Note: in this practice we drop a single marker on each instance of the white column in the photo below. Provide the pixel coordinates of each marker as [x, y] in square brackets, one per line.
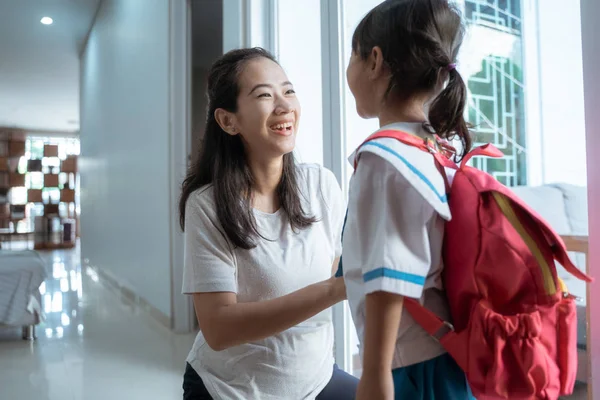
[534, 138]
[333, 80]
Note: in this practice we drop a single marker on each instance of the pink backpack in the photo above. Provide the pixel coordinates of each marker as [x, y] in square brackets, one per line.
[514, 328]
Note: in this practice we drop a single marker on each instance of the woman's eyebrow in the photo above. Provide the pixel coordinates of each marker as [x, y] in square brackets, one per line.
[266, 85]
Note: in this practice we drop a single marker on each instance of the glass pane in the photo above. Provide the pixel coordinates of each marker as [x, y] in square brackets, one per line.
[36, 148]
[356, 128]
[300, 56]
[36, 180]
[18, 195]
[491, 61]
[22, 167]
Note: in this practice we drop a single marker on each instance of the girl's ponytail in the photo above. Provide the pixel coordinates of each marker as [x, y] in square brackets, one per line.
[447, 111]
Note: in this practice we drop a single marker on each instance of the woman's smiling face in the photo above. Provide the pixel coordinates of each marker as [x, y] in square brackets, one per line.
[268, 111]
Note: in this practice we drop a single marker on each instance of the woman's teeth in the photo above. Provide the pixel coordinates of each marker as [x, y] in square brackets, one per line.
[282, 126]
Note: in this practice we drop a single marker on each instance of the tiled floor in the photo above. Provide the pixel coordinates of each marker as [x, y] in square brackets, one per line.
[92, 346]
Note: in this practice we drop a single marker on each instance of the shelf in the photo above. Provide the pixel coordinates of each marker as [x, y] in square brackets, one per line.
[53, 246]
[12, 219]
[13, 146]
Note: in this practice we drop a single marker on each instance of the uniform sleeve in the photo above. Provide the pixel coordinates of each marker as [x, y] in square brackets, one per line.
[209, 264]
[387, 229]
[337, 207]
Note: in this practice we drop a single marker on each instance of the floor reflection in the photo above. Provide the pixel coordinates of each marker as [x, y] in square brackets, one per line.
[61, 295]
[92, 345]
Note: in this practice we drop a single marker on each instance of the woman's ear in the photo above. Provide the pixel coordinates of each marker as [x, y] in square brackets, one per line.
[226, 121]
[376, 63]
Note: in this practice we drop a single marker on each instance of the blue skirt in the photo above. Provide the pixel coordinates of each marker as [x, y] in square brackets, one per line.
[437, 379]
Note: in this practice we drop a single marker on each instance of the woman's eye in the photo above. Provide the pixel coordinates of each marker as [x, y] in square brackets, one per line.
[264, 95]
[291, 91]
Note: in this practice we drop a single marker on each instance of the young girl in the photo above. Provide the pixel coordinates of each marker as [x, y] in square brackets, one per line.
[402, 72]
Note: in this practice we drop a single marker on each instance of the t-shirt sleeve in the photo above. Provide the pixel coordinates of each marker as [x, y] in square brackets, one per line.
[209, 263]
[387, 229]
[336, 207]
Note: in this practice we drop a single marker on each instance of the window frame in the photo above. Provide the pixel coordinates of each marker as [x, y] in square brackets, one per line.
[334, 145]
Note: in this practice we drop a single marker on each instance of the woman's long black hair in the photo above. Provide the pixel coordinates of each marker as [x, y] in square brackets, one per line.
[420, 40]
[222, 160]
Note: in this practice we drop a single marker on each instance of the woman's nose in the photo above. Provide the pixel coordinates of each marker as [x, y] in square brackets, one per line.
[283, 106]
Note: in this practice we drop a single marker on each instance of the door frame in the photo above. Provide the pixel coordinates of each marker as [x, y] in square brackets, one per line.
[590, 30]
[182, 310]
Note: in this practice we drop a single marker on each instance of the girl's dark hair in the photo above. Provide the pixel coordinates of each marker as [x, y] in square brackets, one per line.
[222, 160]
[420, 40]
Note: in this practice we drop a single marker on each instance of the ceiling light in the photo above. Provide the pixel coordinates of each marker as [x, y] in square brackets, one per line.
[46, 21]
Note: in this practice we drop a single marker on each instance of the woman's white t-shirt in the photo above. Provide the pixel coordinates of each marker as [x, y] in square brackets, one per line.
[294, 364]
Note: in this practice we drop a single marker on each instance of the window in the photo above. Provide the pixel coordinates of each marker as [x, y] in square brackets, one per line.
[525, 93]
[518, 69]
[34, 149]
[356, 130]
[491, 62]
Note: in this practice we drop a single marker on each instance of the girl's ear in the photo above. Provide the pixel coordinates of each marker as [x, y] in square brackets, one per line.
[376, 63]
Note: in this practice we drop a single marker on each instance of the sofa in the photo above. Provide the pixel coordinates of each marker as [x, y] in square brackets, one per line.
[21, 274]
[565, 208]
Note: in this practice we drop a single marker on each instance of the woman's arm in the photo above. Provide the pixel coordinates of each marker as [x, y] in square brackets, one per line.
[210, 276]
[226, 323]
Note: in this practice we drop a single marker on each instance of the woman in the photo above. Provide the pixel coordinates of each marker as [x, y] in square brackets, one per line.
[262, 242]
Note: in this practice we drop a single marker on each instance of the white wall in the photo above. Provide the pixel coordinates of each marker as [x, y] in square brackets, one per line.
[561, 87]
[125, 147]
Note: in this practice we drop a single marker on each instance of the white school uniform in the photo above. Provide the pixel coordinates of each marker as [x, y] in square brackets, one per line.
[393, 237]
[296, 363]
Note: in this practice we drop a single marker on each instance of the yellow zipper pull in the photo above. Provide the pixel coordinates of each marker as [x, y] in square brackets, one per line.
[563, 286]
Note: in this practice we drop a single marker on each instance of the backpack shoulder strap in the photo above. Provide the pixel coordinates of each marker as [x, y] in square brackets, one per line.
[427, 145]
[440, 330]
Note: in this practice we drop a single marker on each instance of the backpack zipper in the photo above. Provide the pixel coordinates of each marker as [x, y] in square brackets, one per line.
[508, 211]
